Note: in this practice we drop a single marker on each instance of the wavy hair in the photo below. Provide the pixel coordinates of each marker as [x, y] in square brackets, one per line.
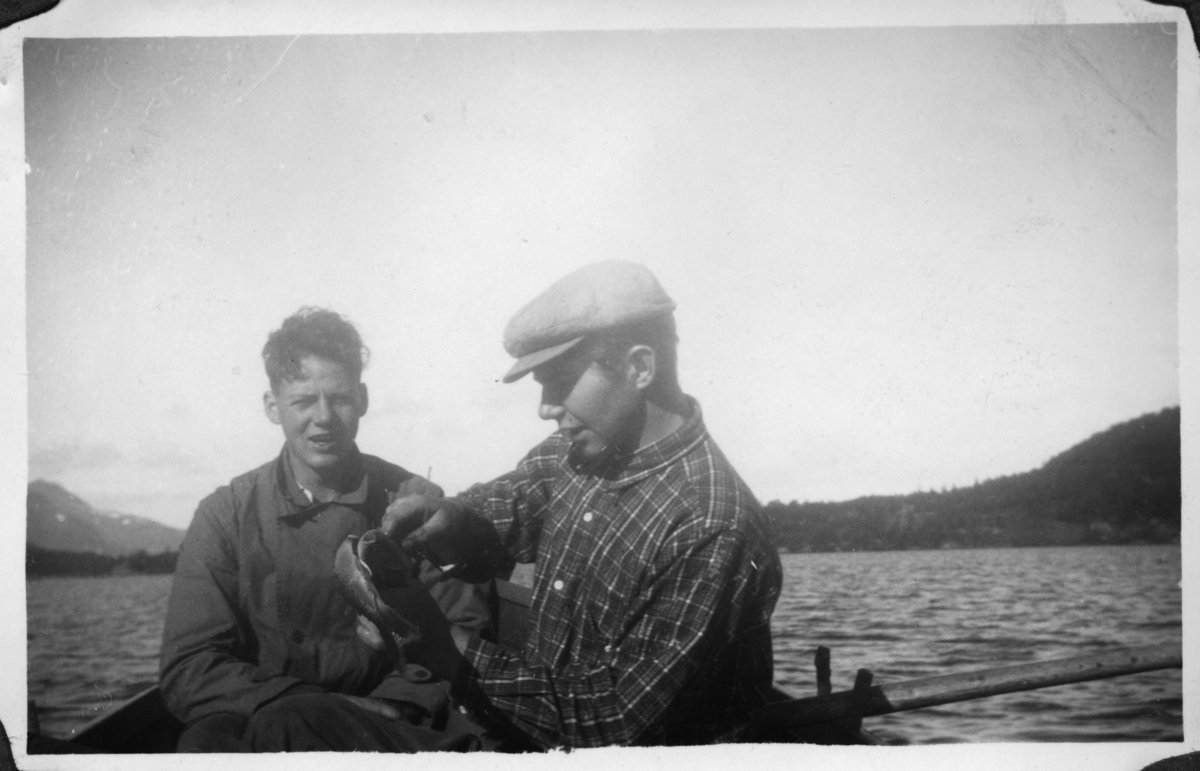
[313, 332]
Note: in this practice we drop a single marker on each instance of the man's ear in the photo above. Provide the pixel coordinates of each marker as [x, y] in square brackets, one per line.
[271, 407]
[643, 366]
[363, 401]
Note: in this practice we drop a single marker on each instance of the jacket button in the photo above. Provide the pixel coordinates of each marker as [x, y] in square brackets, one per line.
[558, 585]
[297, 636]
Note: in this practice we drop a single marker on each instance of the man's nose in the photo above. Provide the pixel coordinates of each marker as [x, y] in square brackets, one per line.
[322, 411]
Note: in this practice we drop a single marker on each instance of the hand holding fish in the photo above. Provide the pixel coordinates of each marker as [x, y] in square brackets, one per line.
[365, 565]
[396, 612]
[446, 533]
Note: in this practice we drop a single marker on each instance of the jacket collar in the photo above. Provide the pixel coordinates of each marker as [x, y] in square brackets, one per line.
[298, 502]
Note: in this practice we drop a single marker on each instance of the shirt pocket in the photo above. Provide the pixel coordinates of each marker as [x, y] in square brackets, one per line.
[606, 608]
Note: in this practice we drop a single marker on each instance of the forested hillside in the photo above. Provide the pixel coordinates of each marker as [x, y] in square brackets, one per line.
[1120, 486]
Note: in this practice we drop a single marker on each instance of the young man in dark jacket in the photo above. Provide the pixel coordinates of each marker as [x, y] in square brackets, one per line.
[256, 616]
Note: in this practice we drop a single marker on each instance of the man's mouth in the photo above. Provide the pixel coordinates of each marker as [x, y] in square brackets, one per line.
[323, 441]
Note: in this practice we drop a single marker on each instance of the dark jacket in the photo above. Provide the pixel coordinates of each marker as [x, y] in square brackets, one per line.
[255, 609]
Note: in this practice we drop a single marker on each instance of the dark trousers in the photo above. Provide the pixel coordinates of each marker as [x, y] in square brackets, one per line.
[323, 722]
[215, 733]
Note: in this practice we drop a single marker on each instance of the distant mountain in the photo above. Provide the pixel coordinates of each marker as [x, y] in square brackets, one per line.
[57, 520]
[1120, 486]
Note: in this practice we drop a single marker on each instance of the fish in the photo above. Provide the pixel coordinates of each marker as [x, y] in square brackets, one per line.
[364, 566]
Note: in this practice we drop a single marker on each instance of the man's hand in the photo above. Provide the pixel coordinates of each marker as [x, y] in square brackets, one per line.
[438, 525]
[447, 533]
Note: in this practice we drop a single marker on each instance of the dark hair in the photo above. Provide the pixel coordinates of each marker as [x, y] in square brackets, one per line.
[312, 332]
[610, 347]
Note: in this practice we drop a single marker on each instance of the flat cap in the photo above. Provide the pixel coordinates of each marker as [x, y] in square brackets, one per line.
[594, 298]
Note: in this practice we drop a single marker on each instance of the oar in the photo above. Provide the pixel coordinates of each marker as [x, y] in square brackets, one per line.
[931, 691]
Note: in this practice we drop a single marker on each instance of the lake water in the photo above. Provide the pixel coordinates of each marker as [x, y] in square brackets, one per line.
[906, 615]
[94, 641]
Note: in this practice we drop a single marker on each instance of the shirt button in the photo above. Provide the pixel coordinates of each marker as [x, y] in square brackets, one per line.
[608, 649]
[558, 585]
[587, 517]
[297, 636]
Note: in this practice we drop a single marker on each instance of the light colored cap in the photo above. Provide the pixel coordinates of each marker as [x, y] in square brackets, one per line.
[597, 297]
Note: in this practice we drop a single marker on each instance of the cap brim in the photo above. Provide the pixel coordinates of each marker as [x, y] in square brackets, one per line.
[532, 361]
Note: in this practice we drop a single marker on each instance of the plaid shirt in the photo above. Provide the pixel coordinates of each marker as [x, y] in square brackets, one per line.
[655, 581]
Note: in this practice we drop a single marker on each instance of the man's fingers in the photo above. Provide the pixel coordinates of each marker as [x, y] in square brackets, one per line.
[404, 515]
[425, 527]
[442, 531]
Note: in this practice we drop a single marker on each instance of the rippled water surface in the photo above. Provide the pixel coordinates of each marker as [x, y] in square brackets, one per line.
[907, 615]
[94, 641]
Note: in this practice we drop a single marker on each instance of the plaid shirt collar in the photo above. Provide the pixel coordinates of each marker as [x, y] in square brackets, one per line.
[624, 469]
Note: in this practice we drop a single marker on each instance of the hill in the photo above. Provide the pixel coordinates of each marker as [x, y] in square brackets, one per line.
[1119, 486]
[58, 521]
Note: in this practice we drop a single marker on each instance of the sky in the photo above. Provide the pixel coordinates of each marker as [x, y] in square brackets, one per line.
[913, 244]
[903, 258]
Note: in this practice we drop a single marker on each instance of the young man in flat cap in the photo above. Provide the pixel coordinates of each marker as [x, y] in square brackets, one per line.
[257, 628]
[656, 574]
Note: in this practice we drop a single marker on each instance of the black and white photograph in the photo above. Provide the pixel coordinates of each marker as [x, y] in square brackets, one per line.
[735, 383]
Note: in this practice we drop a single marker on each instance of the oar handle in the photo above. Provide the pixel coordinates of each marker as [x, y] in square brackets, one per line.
[945, 689]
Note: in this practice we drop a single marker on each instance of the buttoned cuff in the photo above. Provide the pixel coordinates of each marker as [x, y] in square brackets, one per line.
[478, 657]
[497, 670]
[467, 688]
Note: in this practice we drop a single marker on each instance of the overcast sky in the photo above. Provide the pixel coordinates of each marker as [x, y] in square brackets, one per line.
[904, 258]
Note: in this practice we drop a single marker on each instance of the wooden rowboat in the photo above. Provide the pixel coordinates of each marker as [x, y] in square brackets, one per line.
[143, 724]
